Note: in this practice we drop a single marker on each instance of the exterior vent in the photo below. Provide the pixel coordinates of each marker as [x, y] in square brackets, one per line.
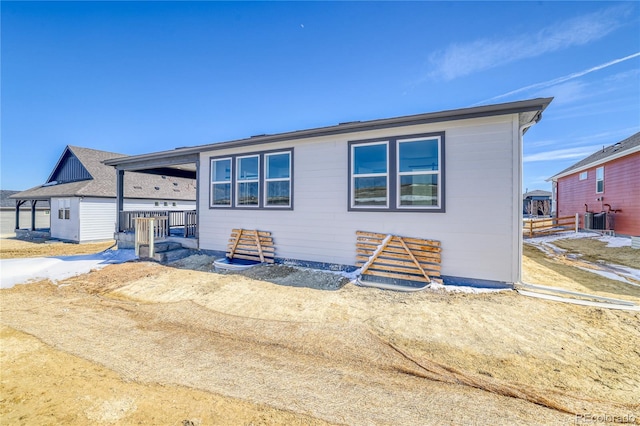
[137, 187]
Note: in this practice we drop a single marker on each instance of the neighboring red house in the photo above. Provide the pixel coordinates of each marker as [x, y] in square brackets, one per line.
[604, 189]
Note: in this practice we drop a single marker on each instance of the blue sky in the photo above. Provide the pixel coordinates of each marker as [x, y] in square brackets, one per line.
[139, 77]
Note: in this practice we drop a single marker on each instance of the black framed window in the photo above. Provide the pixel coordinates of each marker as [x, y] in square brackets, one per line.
[221, 182]
[262, 180]
[248, 181]
[277, 179]
[400, 173]
[370, 178]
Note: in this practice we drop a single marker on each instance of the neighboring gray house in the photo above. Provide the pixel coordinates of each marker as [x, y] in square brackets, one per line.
[8, 213]
[536, 203]
[412, 176]
[81, 191]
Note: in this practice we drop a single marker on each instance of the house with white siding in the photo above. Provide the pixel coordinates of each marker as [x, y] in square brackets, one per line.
[9, 210]
[420, 176]
[81, 193]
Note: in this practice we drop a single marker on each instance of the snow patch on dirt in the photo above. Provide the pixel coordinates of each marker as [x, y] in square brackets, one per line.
[20, 271]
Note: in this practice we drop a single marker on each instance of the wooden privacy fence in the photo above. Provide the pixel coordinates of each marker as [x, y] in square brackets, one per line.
[533, 227]
[147, 229]
[251, 245]
[392, 256]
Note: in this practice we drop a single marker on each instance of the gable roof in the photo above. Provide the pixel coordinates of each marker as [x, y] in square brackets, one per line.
[529, 112]
[95, 179]
[619, 149]
[536, 193]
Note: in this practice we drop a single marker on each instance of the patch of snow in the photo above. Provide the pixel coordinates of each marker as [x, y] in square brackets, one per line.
[351, 276]
[616, 241]
[20, 271]
[625, 270]
[609, 275]
[463, 289]
[561, 236]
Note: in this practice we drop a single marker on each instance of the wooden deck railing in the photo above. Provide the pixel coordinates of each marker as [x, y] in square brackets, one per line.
[550, 225]
[187, 219]
[149, 229]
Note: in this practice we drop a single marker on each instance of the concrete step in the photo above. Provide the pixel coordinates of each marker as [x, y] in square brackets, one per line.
[161, 251]
[173, 255]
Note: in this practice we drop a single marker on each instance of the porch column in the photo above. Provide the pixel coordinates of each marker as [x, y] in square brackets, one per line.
[18, 204]
[33, 214]
[119, 197]
[197, 231]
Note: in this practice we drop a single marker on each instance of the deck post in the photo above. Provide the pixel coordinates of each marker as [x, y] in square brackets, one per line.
[33, 214]
[577, 221]
[18, 204]
[152, 235]
[119, 198]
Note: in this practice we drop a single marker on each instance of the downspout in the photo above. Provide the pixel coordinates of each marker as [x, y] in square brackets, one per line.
[523, 128]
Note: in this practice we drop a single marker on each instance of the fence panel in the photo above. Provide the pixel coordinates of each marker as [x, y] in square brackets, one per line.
[549, 225]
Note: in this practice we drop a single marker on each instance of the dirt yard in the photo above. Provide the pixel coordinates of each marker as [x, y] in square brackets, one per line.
[143, 343]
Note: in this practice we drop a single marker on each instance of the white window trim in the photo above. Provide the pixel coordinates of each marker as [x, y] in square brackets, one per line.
[229, 182]
[598, 180]
[267, 180]
[583, 175]
[64, 208]
[239, 181]
[426, 172]
[364, 175]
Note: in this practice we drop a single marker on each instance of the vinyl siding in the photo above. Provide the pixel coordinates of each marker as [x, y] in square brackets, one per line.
[131, 204]
[97, 219]
[66, 229]
[476, 231]
[621, 191]
[8, 220]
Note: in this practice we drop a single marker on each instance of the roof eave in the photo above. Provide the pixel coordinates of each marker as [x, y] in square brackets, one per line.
[587, 166]
[535, 106]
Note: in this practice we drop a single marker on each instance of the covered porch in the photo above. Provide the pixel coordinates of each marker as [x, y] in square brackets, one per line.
[37, 226]
[180, 226]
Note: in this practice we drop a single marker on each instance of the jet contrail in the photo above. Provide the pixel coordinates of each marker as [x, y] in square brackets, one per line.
[562, 79]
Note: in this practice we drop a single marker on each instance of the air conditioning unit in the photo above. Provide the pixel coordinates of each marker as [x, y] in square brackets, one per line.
[599, 221]
[588, 220]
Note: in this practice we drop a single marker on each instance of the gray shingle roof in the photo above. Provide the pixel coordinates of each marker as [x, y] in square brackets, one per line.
[537, 193]
[103, 184]
[602, 154]
[6, 202]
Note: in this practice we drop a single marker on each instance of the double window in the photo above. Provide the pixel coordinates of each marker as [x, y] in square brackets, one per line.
[64, 208]
[401, 173]
[261, 180]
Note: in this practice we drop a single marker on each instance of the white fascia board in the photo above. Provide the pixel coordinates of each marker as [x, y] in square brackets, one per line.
[595, 163]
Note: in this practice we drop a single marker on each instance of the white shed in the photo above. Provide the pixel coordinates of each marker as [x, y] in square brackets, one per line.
[81, 191]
